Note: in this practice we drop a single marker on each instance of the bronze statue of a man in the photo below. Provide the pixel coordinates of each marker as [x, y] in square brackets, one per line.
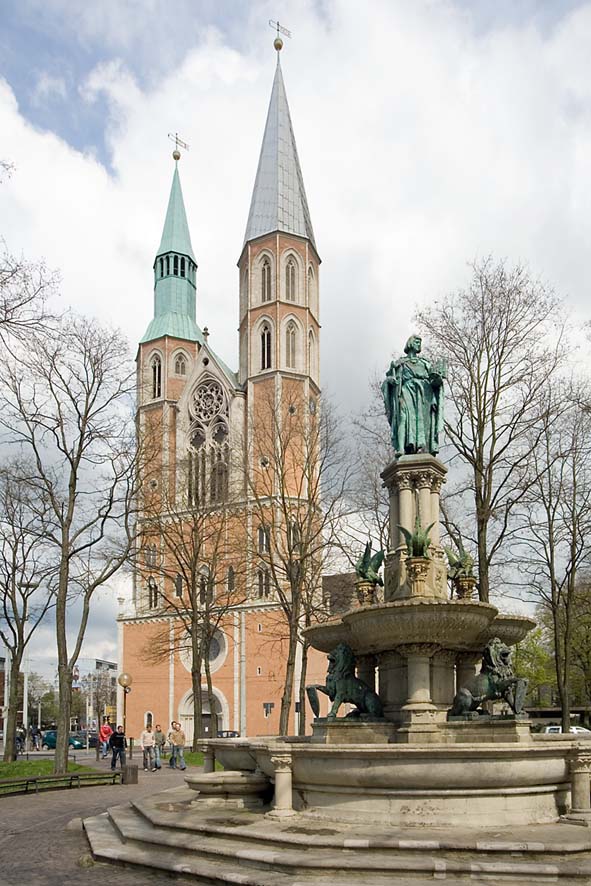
[413, 397]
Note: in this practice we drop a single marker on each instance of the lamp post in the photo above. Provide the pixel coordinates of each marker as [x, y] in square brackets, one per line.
[125, 680]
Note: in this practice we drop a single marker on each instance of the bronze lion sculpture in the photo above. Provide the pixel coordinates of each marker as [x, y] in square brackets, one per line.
[342, 687]
[495, 681]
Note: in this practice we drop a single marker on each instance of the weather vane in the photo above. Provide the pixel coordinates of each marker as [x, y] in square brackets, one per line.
[178, 143]
[278, 42]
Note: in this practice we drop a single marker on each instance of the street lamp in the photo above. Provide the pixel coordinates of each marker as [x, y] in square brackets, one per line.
[125, 680]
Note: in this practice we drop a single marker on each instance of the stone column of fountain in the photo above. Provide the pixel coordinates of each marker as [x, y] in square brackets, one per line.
[414, 484]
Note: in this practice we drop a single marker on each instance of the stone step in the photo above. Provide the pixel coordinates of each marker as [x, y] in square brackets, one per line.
[247, 851]
[107, 845]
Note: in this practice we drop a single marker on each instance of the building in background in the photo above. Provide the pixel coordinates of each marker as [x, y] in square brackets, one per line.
[203, 426]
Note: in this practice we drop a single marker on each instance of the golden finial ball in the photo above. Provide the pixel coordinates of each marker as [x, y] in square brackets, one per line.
[176, 155]
[278, 44]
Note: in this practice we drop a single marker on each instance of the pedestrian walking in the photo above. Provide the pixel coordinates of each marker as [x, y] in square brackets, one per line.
[38, 737]
[147, 744]
[159, 745]
[105, 733]
[118, 743]
[176, 736]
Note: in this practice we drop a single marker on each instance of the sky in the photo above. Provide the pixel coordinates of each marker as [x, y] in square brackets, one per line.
[431, 133]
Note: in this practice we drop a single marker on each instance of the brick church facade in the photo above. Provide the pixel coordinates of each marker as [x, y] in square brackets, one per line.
[212, 436]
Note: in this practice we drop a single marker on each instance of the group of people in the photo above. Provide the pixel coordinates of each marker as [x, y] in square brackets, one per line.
[152, 743]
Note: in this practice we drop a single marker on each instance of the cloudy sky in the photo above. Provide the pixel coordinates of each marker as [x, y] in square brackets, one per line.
[430, 133]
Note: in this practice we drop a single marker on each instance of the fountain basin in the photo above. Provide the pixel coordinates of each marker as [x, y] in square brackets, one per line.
[450, 624]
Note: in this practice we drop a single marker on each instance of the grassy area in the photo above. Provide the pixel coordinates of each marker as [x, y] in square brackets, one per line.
[192, 758]
[23, 768]
[34, 767]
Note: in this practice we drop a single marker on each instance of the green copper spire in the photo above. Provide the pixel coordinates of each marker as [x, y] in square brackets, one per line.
[175, 275]
[175, 236]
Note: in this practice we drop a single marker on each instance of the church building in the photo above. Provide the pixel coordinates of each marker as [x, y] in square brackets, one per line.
[208, 523]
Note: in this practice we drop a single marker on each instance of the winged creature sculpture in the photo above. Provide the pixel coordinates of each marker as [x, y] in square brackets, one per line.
[367, 567]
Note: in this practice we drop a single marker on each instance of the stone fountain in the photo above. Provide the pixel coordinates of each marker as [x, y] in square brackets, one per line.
[431, 743]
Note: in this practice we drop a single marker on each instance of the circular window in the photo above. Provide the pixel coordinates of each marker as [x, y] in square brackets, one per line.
[208, 401]
[218, 650]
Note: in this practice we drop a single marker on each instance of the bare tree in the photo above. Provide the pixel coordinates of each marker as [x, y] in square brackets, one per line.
[198, 572]
[502, 338]
[25, 598]
[555, 524]
[298, 491]
[25, 290]
[67, 404]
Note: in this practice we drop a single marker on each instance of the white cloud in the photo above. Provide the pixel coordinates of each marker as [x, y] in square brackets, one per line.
[47, 88]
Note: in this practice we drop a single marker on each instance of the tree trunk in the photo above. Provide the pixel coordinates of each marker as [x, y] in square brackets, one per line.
[62, 746]
[12, 701]
[302, 698]
[483, 582]
[212, 702]
[197, 703]
[288, 683]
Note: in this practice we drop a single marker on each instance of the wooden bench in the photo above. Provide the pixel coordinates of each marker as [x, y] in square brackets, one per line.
[21, 784]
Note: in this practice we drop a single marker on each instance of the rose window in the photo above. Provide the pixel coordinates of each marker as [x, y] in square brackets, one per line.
[208, 401]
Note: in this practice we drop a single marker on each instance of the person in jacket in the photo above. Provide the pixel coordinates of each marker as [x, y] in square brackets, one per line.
[176, 737]
[118, 743]
[159, 745]
[147, 744]
[105, 733]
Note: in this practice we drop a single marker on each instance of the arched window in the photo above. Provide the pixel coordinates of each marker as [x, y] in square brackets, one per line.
[294, 536]
[311, 354]
[290, 280]
[182, 267]
[266, 280]
[180, 365]
[231, 579]
[204, 584]
[167, 265]
[219, 479]
[178, 585]
[149, 718]
[151, 555]
[266, 347]
[264, 537]
[162, 267]
[264, 583]
[290, 345]
[152, 593]
[156, 365]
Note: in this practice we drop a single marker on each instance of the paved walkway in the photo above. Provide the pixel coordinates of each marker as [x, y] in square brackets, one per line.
[42, 842]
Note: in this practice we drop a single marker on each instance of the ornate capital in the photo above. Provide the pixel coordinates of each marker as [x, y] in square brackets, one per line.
[404, 482]
[425, 650]
[423, 479]
[581, 759]
[281, 762]
[436, 484]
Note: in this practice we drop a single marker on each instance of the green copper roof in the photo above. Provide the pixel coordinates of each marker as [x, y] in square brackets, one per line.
[175, 236]
[174, 325]
[174, 276]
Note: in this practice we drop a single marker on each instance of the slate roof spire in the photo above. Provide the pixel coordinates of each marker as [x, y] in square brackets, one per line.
[175, 274]
[279, 198]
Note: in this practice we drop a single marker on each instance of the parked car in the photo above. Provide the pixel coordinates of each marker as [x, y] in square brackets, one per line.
[228, 733]
[92, 738]
[557, 730]
[50, 736]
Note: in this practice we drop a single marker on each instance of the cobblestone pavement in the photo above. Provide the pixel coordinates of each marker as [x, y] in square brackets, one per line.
[42, 842]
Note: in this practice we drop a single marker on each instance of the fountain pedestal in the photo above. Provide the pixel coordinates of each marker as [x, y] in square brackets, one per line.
[414, 483]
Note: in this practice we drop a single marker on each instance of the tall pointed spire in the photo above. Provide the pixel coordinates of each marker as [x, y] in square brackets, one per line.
[175, 235]
[279, 199]
[175, 271]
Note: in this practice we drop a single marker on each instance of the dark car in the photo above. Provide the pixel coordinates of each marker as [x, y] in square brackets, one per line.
[50, 736]
[228, 733]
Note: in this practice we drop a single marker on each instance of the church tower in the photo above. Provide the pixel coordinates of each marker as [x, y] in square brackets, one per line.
[279, 264]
